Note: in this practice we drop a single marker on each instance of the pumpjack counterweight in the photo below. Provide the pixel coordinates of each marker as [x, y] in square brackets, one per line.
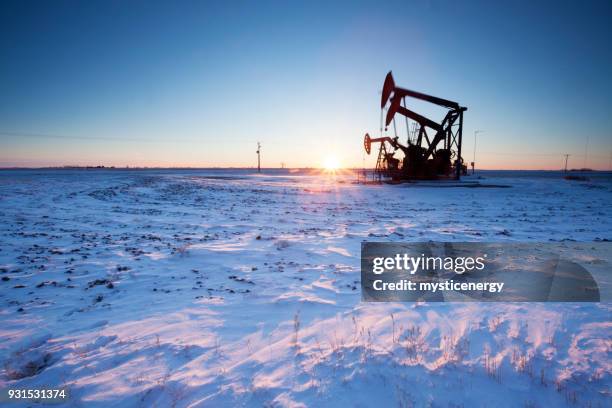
[424, 158]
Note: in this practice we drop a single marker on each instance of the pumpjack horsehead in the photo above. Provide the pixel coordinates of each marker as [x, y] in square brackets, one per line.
[424, 158]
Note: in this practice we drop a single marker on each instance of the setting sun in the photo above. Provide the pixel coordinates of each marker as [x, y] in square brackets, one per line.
[331, 163]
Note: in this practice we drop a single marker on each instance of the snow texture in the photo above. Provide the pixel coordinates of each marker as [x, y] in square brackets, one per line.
[223, 288]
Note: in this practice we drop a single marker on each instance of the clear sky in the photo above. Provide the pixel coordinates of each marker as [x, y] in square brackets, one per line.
[199, 83]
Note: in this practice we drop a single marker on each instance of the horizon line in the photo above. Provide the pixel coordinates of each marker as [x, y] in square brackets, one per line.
[103, 167]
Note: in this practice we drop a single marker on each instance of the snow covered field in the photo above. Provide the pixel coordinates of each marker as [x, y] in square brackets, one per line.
[220, 288]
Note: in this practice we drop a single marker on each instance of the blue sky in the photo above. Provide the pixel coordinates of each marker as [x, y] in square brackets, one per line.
[199, 83]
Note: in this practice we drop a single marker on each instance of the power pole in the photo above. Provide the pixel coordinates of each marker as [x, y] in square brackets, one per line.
[586, 151]
[476, 132]
[566, 157]
[258, 157]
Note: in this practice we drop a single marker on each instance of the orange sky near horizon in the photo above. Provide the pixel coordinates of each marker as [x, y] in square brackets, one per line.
[274, 158]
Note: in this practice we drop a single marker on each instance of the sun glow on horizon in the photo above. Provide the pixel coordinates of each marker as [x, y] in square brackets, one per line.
[331, 163]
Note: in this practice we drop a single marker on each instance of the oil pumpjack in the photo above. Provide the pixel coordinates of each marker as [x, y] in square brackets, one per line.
[424, 158]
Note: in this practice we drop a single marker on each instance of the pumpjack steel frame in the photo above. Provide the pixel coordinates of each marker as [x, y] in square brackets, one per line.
[431, 160]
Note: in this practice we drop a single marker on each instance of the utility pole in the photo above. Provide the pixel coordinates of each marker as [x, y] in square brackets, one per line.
[586, 151]
[566, 157]
[258, 157]
[476, 132]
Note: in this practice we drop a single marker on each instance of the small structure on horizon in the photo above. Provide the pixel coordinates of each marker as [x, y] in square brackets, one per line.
[258, 157]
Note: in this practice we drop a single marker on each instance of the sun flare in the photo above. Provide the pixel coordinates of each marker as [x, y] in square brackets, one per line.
[331, 163]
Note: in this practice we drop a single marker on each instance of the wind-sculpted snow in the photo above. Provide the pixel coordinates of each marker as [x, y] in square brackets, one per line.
[195, 288]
